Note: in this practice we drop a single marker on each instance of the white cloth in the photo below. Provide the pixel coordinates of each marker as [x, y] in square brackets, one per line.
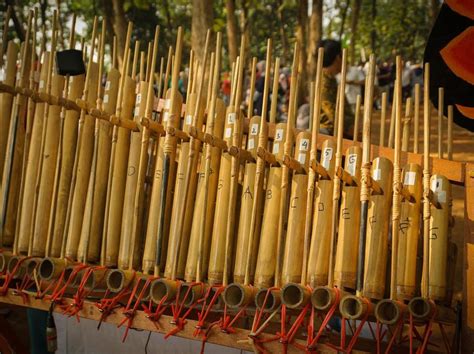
[354, 73]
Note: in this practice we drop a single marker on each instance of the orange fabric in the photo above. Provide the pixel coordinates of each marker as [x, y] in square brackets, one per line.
[462, 7]
[458, 55]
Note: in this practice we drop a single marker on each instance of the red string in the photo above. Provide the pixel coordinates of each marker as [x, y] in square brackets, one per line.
[10, 275]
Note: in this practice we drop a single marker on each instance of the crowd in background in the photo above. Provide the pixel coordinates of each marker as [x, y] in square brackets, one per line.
[355, 85]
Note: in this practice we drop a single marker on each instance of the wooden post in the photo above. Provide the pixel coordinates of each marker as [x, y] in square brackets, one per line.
[383, 116]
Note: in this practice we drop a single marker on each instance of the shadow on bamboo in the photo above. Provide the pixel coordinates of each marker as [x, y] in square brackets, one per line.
[389, 311]
[295, 296]
[354, 307]
[238, 295]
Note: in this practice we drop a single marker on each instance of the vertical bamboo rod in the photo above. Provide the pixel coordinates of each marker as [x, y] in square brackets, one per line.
[440, 121]
[383, 116]
[450, 132]
[357, 118]
[416, 120]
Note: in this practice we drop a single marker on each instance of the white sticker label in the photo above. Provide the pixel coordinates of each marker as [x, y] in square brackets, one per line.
[351, 164]
[302, 158]
[228, 132]
[327, 157]
[167, 104]
[139, 98]
[410, 177]
[276, 148]
[107, 85]
[376, 174]
[231, 118]
[250, 144]
[137, 111]
[41, 84]
[106, 98]
[165, 116]
[304, 144]
[2, 74]
[442, 196]
[279, 135]
[436, 184]
[189, 119]
[254, 129]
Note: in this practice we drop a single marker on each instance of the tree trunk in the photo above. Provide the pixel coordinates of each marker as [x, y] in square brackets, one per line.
[315, 34]
[119, 24]
[232, 31]
[202, 20]
[354, 23]
[343, 19]
[373, 34]
[301, 32]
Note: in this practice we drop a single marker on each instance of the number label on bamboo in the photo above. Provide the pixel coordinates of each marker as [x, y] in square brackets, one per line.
[228, 132]
[41, 84]
[346, 213]
[269, 194]
[276, 148]
[351, 165]
[327, 157]
[410, 177]
[294, 202]
[106, 98]
[254, 130]
[404, 225]
[139, 98]
[231, 118]
[304, 144]
[436, 185]
[107, 86]
[279, 135]
[167, 104]
[2, 74]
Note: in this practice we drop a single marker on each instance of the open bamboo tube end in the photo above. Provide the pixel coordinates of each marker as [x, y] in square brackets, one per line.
[12, 264]
[354, 307]
[273, 300]
[4, 259]
[31, 265]
[324, 297]
[119, 279]
[51, 268]
[238, 295]
[421, 308]
[389, 311]
[294, 295]
[163, 287]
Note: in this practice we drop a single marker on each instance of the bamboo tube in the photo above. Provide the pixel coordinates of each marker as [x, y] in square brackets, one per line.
[396, 187]
[118, 163]
[353, 307]
[84, 155]
[248, 188]
[185, 186]
[8, 74]
[166, 165]
[318, 266]
[357, 118]
[409, 230]
[25, 226]
[139, 197]
[416, 120]
[392, 121]
[377, 234]
[11, 178]
[345, 269]
[440, 121]
[439, 223]
[281, 244]
[383, 116]
[93, 222]
[221, 232]
[406, 122]
[292, 260]
[201, 229]
[47, 167]
[266, 259]
[237, 135]
[66, 154]
[126, 259]
[450, 132]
